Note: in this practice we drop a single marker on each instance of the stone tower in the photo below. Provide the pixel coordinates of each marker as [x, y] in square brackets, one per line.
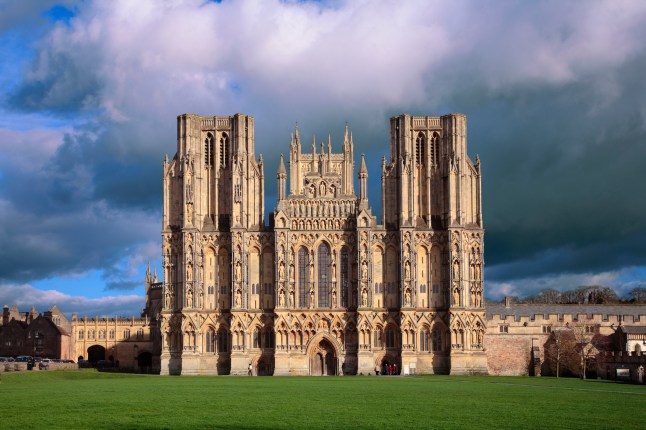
[436, 193]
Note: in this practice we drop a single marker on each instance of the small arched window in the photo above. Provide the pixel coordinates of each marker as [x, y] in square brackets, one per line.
[324, 276]
[434, 148]
[423, 339]
[420, 144]
[210, 340]
[224, 149]
[208, 150]
[344, 277]
[436, 338]
[223, 341]
[303, 278]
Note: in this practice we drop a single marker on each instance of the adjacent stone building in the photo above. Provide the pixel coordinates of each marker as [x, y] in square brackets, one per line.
[126, 342]
[521, 339]
[324, 288]
[33, 334]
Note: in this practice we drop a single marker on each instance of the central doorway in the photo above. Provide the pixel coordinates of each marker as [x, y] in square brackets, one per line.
[323, 359]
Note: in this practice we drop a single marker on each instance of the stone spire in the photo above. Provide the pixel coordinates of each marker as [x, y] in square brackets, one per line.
[282, 179]
[363, 180]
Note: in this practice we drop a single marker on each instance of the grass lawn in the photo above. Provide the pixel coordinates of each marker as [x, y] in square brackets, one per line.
[88, 399]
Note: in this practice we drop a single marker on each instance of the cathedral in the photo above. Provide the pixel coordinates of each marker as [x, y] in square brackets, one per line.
[324, 289]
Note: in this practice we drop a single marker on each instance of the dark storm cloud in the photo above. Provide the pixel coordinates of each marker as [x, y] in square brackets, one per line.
[553, 93]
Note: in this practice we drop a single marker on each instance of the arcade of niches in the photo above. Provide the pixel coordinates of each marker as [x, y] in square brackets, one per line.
[323, 289]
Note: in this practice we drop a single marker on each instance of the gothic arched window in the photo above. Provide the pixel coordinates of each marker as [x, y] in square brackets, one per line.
[436, 337]
[208, 150]
[419, 148]
[223, 341]
[435, 150]
[256, 340]
[324, 276]
[344, 277]
[303, 280]
[390, 337]
[210, 340]
[423, 339]
[224, 149]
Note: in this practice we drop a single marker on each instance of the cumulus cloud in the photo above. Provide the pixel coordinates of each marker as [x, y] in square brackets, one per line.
[25, 296]
[553, 92]
[622, 281]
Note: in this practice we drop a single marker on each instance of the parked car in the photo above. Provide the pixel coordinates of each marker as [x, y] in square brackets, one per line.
[23, 358]
[104, 364]
[84, 364]
[6, 359]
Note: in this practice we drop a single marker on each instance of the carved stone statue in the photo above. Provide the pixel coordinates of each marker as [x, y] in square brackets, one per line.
[364, 297]
[238, 297]
[281, 272]
[281, 298]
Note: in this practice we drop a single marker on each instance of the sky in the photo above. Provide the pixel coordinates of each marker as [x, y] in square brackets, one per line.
[554, 94]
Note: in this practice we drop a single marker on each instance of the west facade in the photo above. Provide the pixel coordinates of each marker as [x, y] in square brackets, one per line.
[324, 288]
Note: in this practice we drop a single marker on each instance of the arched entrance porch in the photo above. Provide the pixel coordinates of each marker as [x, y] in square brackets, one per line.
[95, 353]
[323, 359]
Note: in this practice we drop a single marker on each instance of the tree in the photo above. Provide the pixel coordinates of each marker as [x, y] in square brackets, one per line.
[638, 295]
[585, 350]
[559, 349]
[548, 296]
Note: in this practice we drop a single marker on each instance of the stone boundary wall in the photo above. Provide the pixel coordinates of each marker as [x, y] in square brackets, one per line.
[22, 366]
[611, 361]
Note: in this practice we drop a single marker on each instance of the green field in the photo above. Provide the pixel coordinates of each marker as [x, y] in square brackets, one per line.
[88, 399]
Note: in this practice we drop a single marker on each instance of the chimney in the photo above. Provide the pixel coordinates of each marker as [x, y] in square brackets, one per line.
[508, 301]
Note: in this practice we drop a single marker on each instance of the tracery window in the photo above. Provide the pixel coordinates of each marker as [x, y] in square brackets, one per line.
[344, 277]
[390, 337]
[324, 276]
[208, 150]
[223, 341]
[435, 152]
[303, 280]
[210, 340]
[378, 338]
[423, 339]
[436, 337]
[224, 149]
[256, 340]
[268, 338]
[419, 148]
[81, 334]
[126, 334]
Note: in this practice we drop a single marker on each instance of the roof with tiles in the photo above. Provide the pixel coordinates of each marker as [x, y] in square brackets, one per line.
[529, 310]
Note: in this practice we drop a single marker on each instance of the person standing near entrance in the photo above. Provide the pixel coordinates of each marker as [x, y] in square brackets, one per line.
[395, 369]
[250, 373]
